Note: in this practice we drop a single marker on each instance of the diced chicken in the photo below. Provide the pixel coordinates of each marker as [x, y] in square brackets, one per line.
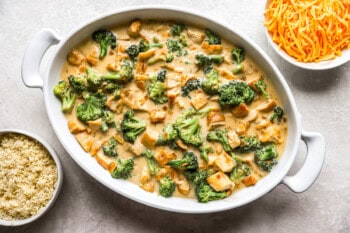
[135, 99]
[96, 146]
[136, 149]
[224, 162]
[253, 114]
[149, 187]
[145, 175]
[220, 181]
[218, 148]
[112, 67]
[84, 140]
[181, 144]
[149, 138]
[75, 57]
[267, 106]
[227, 74]
[112, 166]
[263, 124]
[181, 102]
[111, 103]
[242, 127]
[211, 48]
[199, 99]
[146, 55]
[173, 81]
[104, 160]
[196, 35]
[163, 157]
[134, 28]
[183, 186]
[95, 125]
[215, 119]
[119, 139]
[271, 134]
[233, 139]
[157, 116]
[253, 79]
[249, 180]
[92, 57]
[76, 126]
[162, 173]
[211, 159]
[240, 111]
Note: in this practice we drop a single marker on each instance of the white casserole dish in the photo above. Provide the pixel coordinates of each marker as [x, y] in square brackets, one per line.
[46, 38]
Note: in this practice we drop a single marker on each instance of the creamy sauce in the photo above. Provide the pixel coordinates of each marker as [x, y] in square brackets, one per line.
[183, 66]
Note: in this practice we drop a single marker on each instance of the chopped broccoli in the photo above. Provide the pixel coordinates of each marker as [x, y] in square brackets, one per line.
[161, 75]
[205, 150]
[112, 87]
[144, 45]
[123, 75]
[266, 157]
[238, 55]
[212, 37]
[132, 126]
[188, 128]
[239, 172]
[235, 93]
[176, 46]
[220, 135]
[152, 164]
[168, 136]
[123, 169]
[188, 162]
[211, 82]
[204, 112]
[104, 38]
[176, 30]
[166, 186]
[78, 83]
[92, 109]
[156, 92]
[277, 114]
[133, 51]
[237, 68]
[169, 58]
[109, 149]
[196, 177]
[93, 79]
[190, 85]
[205, 61]
[261, 87]
[107, 121]
[250, 143]
[205, 193]
[66, 95]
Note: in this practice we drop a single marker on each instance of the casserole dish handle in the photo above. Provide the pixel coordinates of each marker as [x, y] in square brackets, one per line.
[309, 172]
[33, 56]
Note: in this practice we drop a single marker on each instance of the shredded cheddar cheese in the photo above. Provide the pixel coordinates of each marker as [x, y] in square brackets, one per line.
[310, 30]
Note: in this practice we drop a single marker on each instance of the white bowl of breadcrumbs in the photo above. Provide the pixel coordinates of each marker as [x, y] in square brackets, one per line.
[30, 177]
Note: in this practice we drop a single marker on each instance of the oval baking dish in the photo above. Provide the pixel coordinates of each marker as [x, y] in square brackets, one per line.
[47, 38]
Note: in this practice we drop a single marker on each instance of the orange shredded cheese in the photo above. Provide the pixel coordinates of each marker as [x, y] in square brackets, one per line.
[310, 30]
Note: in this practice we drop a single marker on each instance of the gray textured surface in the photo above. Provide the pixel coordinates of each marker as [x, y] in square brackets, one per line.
[86, 206]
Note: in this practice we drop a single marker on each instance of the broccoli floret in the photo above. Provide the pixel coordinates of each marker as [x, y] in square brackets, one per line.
[144, 45]
[78, 83]
[109, 149]
[92, 109]
[261, 87]
[174, 45]
[248, 144]
[133, 51]
[266, 157]
[212, 37]
[156, 92]
[107, 121]
[277, 114]
[66, 95]
[205, 150]
[188, 128]
[169, 58]
[132, 126]
[235, 93]
[93, 79]
[204, 112]
[205, 61]
[211, 82]
[239, 172]
[104, 38]
[112, 87]
[205, 193]
[152, 164]
[161, 76]
[238, 55]
[168, 136]
[166, 186]
[177, 29]
[188, 162]
[123, 169]
[220, 136]
[190, 85]
[122, 76]
[197, 177]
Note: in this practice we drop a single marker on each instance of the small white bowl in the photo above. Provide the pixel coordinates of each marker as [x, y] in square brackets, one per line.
[58, 184]
[322, 65]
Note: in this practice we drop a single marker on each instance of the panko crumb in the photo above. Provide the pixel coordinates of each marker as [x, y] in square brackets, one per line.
[28, 177]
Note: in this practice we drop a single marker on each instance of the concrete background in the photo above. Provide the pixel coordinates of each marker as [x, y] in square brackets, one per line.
[86, 206]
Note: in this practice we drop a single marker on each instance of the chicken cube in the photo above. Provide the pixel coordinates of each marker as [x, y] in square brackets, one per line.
[183, 186]
[233, 139]
[212, 48]
[84, 140]
[240, 111]
[250, 180]
[267, 106]
[220, 181]
[134, 28]
[96, 146]
[149, 138]
[215, 119]
[163, 157]
[76, 126]
[271, 134]
[199, 99]
[224, 162]
[196, 35]
[149, 187]
[145, 175]
[157, 116]
[75, 57]
[104, 160]
[95, 125]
